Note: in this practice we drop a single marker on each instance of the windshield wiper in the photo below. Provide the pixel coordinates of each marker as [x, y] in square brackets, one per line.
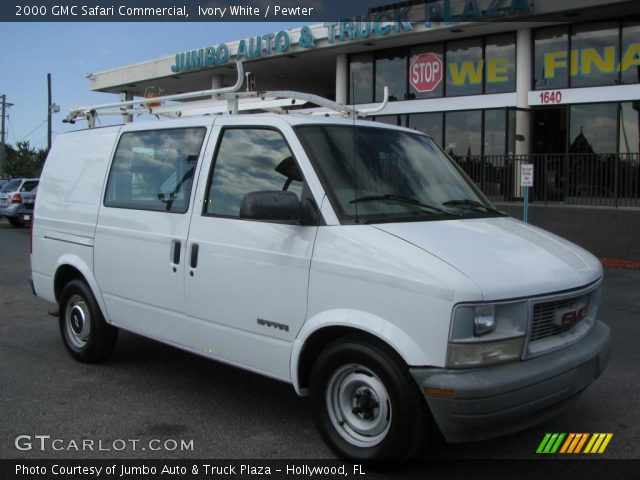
[471, 203]
[402, 199]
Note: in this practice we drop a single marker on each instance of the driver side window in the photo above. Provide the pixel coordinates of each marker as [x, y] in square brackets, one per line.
[249, 160]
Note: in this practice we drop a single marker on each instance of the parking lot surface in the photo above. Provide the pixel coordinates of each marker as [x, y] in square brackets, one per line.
[148, 391]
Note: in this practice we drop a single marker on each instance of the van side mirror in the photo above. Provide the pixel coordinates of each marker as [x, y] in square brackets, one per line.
[271, 205]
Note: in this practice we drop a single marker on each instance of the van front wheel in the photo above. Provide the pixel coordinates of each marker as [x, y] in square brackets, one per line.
[85, 333]
[364, 402]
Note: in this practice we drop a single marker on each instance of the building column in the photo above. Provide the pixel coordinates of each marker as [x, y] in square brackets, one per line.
[126, 97]
[342, 79]
[524, 69]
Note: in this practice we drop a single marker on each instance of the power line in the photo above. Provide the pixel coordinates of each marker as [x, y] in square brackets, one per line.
[25, 136]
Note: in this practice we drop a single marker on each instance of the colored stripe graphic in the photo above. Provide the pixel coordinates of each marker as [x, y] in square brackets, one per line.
[550, 443]
[543, 443]
[583, 439]
[573, 443]
[567, 443]
[598, 443]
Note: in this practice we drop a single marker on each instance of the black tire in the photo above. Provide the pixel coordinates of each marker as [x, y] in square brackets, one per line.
[85, 333]
[348, 373]
[15, 221]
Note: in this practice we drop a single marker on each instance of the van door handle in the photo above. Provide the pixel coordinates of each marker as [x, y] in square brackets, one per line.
[194, 255]
[176, 246]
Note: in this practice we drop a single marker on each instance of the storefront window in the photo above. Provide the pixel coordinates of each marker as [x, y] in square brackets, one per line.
[593, 128]
[391, 71]
[438, 91]
[495, 132]
[463, 132]
[500, 64]
[464, 67]
[630, 127]
[551, 61]
[429, 123]
[361, 79]
[594, 57]
[630, 65]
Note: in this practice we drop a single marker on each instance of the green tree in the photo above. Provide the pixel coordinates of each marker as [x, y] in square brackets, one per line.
[23, 161]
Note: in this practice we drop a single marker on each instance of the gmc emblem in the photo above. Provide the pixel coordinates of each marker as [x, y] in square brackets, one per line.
[568, 318]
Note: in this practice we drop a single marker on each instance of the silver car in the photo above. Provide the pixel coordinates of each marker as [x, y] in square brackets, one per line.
[12, 197]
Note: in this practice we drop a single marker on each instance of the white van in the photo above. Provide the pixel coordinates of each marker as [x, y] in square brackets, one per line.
[351, 259]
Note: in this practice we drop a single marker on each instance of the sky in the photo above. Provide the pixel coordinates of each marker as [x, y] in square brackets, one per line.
[71, 50]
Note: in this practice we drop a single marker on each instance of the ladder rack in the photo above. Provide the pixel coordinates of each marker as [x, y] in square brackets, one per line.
[227, 100]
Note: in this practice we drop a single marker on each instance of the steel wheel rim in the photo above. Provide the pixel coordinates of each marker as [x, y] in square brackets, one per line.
[77, 322]
[359, 405]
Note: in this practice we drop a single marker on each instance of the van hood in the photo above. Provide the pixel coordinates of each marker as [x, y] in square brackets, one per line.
[504, 257]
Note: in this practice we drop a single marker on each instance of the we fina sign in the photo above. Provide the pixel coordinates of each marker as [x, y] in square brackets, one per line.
[352, 29]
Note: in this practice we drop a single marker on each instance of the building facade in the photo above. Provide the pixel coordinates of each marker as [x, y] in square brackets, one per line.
[496, 83]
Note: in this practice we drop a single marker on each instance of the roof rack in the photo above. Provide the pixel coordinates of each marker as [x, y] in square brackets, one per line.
[227, 100]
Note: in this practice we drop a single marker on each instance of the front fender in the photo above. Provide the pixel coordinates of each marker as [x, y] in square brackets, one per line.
[374, 325]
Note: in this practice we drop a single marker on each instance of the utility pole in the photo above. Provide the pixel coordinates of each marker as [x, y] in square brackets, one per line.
[3, 130]
[49, 112]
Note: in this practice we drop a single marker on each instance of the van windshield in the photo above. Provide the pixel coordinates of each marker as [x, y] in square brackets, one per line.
[396, 175]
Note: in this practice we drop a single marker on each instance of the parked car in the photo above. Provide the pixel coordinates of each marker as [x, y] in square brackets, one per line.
[28, 202]
[11, 198]
[351, 259]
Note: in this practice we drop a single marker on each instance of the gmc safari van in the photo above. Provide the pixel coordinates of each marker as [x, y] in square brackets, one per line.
[351, 259]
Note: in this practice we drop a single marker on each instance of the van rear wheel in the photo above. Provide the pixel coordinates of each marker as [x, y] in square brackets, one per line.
[85, 333]
[365, 403]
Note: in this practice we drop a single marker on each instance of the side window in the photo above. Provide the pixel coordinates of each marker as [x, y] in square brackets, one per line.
[28, 186]
[153, 170]
[250, 160]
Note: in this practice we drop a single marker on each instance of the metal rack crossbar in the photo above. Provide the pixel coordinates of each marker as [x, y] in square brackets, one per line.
[227, 100]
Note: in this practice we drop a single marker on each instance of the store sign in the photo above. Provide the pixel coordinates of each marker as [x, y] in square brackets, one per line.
[587, 61]
[466, 73]
[474, 10]
[568, 96]
[254, 47]
[425, 72]
[526, 175]
[353, 29]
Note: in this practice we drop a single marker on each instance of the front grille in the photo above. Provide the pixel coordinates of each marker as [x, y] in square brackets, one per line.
[544, 313]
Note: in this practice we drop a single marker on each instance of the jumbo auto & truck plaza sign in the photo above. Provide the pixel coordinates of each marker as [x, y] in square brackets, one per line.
[353, 29]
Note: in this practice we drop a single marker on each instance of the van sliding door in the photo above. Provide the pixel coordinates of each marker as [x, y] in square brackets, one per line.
[247, 279]
[140, 240]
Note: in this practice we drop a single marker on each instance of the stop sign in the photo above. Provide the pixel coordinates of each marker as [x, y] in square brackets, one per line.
[425, 72]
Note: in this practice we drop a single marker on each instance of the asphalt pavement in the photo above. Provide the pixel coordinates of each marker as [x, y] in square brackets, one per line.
[150, 392]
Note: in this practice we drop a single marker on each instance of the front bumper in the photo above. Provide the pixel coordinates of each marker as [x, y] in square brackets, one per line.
[497, 400]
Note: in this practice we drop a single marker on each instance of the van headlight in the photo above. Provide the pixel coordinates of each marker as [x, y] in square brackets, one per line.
[487, 333]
